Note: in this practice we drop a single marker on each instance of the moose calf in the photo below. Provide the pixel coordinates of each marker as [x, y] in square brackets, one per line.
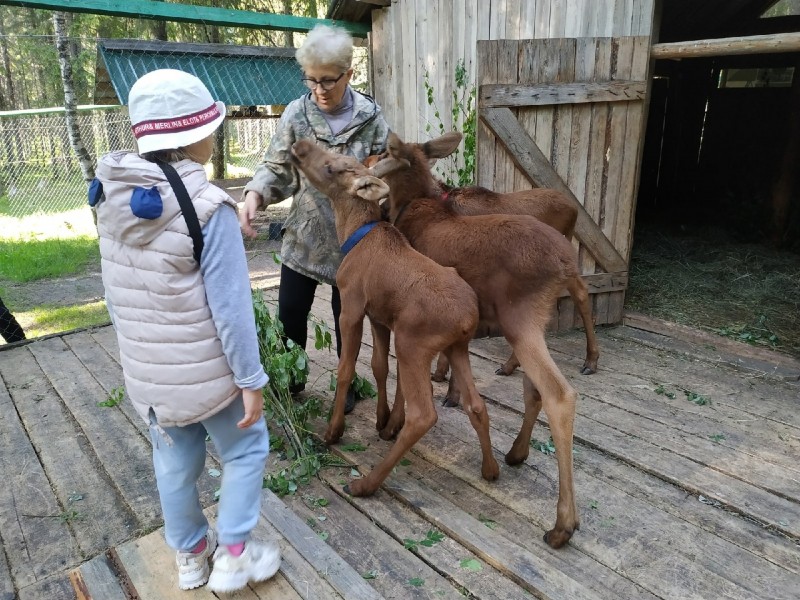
[429, 308]
[517, 266]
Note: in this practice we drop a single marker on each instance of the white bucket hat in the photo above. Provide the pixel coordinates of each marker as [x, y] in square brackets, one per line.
[171, 109]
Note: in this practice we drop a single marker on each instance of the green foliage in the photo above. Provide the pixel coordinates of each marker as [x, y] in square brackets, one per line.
[717, 437]
[30, 260]
[470, 564]
[758, 334]
[416, 582]
[697, 398]
[285, 362]
[662, 391]
[433, 536]
[372, 574]
[463, 118]
[544, 447]
[490, 523]
[115, 397]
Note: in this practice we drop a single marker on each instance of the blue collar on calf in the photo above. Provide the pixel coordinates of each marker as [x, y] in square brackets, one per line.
[357, 236]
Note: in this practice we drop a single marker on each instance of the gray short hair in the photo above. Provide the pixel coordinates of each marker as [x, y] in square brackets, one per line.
[325, 46]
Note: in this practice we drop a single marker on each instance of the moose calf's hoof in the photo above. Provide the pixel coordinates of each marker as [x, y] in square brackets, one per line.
[556, 539]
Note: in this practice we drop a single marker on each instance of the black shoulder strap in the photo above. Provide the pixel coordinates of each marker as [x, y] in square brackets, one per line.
[186, 207]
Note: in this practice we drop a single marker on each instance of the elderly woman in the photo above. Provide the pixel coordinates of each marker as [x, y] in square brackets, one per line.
[339, 119]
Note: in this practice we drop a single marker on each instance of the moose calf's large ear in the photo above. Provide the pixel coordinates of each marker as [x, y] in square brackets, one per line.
[370, 188]
[442, 146]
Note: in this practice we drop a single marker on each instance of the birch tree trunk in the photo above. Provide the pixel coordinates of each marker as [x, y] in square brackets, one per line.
[70, 102]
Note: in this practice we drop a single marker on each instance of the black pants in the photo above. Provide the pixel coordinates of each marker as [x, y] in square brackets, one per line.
[295, 296]
[10, 329]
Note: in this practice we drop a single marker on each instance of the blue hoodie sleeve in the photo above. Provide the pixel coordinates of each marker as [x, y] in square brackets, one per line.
[223, 265]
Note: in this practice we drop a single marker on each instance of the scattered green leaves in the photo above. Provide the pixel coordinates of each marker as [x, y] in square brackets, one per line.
[593, 504]
[544, 447]
[490, 523]
[697, 398]
[607, 522]
[433, 536]
[470, 564]
[70, 515]
[372, 574]
[416, 582]
[404, 462]
[662, 391]
[717, 437]
[355, 447]
[758, 334]
[115, 397]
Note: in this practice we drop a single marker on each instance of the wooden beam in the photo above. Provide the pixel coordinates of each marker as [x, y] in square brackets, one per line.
[185, 13]
[527, 156]
[755, 44]
[493, 95]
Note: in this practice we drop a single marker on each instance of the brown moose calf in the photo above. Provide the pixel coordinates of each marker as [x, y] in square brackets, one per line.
[549, 206]
[429, 308]
[517, 266]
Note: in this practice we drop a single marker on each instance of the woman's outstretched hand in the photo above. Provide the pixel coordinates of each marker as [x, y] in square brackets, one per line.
[252, 202]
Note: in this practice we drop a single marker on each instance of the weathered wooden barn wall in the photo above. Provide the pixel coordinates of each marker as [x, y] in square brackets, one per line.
[414, 36]
[593, 147]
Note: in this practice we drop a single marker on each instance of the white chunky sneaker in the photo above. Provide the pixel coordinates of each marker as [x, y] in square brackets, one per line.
[193, 568]
[258, 562]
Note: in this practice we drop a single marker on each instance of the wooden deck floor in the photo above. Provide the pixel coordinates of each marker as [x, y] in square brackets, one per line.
[677, 499]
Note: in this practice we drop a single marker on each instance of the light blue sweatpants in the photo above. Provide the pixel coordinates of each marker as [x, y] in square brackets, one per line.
[178, 466]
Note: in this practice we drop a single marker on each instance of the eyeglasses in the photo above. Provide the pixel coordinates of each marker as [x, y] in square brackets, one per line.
[326, 84]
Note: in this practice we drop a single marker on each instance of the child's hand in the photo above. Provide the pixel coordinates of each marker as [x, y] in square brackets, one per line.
[253, 407]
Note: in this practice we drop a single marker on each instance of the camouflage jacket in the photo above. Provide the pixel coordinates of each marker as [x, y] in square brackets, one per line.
[310, 245]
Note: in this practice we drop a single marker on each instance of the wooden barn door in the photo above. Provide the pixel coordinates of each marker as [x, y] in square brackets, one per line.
[569, 114]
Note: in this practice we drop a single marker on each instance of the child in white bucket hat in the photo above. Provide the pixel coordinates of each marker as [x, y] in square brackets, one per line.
[178, 290]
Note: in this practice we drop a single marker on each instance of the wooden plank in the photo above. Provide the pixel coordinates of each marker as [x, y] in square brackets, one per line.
[634, 142]
[599, 69]
[95, 579]
[6, 584]
[754, 44]
[84, 491]
[530, 159]
[343, 578]
[486, 142]
[615, 531]
[503, 554]
[37, 542]
[527, 74]
[52, 588]
[507, 61]
[581, 125]
[515, 528]
[383, 70]
[735, 353]
[637, 444]
[106, 369]
[772, 442]
[349, 524]
[664, 578]
[516, 95]
[121, 450]
[149, 565]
